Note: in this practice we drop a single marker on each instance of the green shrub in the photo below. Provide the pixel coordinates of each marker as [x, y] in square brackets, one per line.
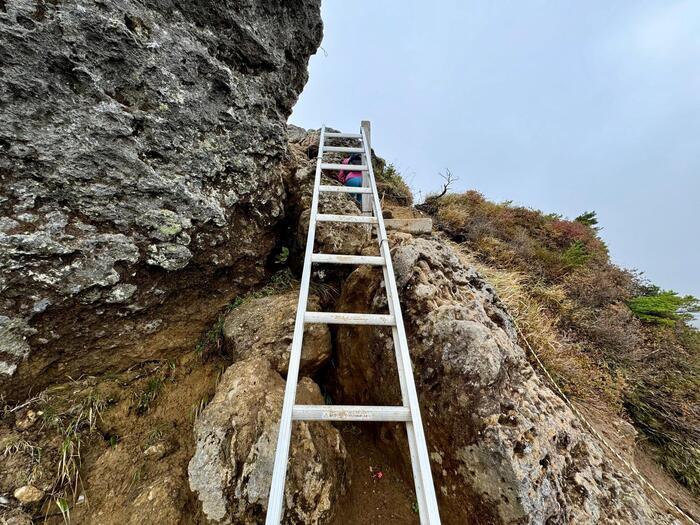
[575, 255]
[664, 307]
[588, 218]
[390, 184]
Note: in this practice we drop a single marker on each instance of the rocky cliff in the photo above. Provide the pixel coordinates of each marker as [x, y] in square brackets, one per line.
[139, 160]
[504, 448]
[146, 178]
[191, 440]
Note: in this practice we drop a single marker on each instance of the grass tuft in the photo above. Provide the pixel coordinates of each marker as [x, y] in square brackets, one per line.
[149, 394]
[71, 424]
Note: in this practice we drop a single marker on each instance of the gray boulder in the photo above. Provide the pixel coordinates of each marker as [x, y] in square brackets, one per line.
[264, 327]
[502, 445]
[236, 436]
[140, 179]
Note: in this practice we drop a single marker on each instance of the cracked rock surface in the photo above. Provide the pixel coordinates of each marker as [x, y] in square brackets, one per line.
[502, 445]
[139, 171]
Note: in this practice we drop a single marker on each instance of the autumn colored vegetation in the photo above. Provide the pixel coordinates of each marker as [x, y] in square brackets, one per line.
[608, 336]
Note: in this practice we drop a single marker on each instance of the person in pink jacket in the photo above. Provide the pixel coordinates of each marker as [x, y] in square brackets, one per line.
[351, 178]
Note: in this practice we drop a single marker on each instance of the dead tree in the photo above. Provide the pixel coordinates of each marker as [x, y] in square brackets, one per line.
[449, 180]
[430, 204]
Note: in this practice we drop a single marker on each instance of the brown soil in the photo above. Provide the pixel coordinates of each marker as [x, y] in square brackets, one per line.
[141, 477]
[133, 464]
[384, 498]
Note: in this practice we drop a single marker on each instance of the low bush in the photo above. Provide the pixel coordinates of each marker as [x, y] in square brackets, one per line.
[597, 285]
[544, 245]
[663, 407]
[664, 307]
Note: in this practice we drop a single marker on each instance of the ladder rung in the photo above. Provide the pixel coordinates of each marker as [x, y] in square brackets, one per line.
[342, 149]
[350, 413]
[346, 259]
[326, 217]
[344, 167]
[343, 318]
[333, 134]
[345, 189]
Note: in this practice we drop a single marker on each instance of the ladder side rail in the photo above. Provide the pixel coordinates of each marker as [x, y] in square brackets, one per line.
[401, 372]
[365, 131]
[410, 432]
[393, 295]
[279, 472]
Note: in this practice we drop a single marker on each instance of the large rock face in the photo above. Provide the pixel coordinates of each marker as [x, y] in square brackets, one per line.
[502, 445]
[139, 171]
[236, 439]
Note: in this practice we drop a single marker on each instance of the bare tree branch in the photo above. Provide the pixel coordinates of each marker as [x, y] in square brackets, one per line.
[449, 180]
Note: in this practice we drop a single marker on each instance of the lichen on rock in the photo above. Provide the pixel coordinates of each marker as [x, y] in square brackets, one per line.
[13, 343]
[138, 142]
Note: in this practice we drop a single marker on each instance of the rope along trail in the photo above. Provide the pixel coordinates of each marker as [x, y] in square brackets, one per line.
[597, 434]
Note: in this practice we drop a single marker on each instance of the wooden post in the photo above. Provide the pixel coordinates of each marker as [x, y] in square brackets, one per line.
[366, 198]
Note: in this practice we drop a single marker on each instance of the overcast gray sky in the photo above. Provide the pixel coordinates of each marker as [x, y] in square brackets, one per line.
[564, 106]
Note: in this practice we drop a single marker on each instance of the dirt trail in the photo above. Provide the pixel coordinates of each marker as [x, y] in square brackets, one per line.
[380, 491]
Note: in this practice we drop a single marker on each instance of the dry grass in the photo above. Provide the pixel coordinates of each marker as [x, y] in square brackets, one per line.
[531, 304]
[72, 419]
[16, 445]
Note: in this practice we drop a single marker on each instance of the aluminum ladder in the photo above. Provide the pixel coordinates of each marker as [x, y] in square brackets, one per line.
[408, 412]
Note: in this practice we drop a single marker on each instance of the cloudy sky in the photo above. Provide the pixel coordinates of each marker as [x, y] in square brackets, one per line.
[564, 106]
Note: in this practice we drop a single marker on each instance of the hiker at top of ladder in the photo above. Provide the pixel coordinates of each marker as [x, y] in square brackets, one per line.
[351, 178]
[409, 410]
